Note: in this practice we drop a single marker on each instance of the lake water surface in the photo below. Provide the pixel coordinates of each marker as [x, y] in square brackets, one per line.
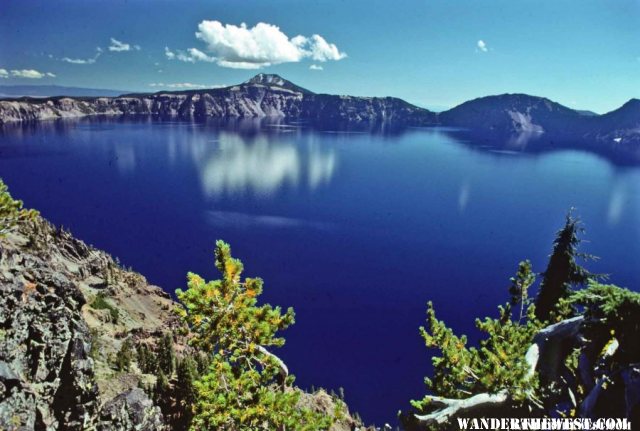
[356, 231]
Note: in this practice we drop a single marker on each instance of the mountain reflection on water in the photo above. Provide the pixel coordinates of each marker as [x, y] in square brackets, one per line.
[249, 129]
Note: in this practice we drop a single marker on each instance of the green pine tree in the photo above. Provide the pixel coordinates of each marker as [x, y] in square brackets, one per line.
[185, 391]
[519, 289]
[166, 354]
[147, 360]
[497, 364]
[202, 362]
[562, 272]
[124, 356]
[162, 392]
[245, 386]
[611, 311]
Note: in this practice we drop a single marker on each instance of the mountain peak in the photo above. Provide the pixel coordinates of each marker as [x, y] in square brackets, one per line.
[628, 115]
[267, 79]
[632, 103]
[274, 80]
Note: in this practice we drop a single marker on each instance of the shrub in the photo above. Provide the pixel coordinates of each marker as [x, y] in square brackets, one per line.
[245, 386]
[100, 303]
[11, 211]
[124, 356]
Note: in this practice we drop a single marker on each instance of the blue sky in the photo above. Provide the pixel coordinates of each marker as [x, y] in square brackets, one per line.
[582, 53]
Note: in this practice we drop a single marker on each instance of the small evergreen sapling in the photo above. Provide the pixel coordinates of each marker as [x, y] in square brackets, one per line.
[498, 364]
[11, 211]
[162, 392]
[166, 354]
[147, 359]
[519, 289]
[185, 390]
[124, 356]
[245, 385]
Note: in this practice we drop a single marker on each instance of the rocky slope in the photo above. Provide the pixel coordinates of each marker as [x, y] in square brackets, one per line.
[52, 376]
[621, 125]
[57, 349]
[261, 96]
[512, 114]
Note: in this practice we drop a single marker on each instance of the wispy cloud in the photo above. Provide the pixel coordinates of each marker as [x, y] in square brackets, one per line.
[26, 73]
[316, 67]
[263, 45]
[482, 46]
[183, 85]
[79, 60]
[118, 46]
[115, 46]
[90, 60]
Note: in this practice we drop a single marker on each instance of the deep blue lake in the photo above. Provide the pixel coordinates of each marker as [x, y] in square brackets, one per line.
[356, 231]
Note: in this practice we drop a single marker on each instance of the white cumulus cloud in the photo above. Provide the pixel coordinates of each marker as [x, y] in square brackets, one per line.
[320, 50]
[315, 67]
[482, 46]
[170, 54]
[4, 73]
[198, 55]
[263, 45]
[118, 46]
[190, 56]
[29, 74]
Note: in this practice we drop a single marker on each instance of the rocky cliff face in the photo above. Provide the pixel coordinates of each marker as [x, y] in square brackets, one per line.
[46, 374]
[262, 96]
[514, 113]
[510, 114]
[520, 118]
[51, 375]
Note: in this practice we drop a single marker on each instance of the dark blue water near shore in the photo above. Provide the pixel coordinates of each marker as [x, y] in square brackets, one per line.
[356, 231]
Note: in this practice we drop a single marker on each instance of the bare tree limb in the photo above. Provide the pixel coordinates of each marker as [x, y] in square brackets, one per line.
[548, 334]
[284, 371]
[551, 334]
[550, 342]
[590, 401]
[453, 407]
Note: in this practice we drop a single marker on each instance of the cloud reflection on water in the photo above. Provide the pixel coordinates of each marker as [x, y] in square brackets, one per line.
[125, 158]
[463, 197]
[261, 164]
[245, 220]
